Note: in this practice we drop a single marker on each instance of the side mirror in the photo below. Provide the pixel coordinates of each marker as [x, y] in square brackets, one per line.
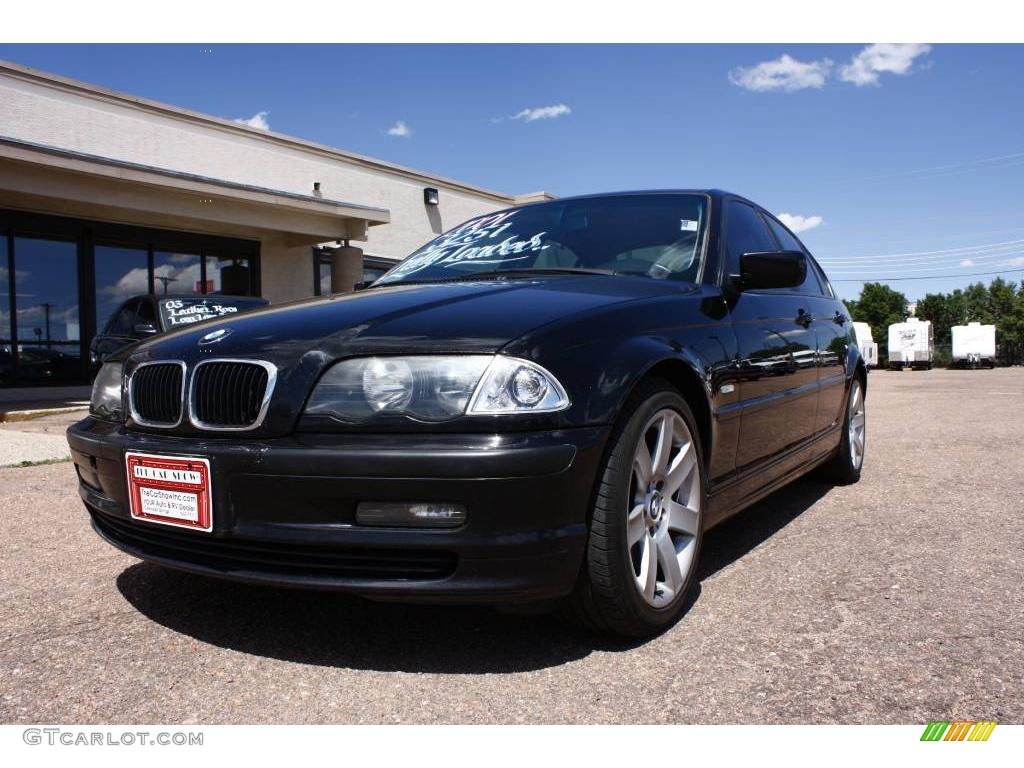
[362, 286]
[773, 269]
[145, 329]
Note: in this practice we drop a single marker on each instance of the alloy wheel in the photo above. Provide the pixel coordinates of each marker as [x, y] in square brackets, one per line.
[856, 421]
[664, 514]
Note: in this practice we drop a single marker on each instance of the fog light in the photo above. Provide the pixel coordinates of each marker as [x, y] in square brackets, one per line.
[400, 514]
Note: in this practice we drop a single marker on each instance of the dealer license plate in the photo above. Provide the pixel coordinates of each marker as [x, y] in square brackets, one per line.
[170, 490]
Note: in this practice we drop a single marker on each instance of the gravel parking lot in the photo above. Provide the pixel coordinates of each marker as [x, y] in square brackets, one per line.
[897, 600]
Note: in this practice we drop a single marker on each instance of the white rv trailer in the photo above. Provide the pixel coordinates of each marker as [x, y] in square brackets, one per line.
[868, 347]
[911, 343]
[974, 345]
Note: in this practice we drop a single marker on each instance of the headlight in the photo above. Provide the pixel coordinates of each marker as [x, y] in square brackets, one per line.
[512, 385]
[435, 388]
[107, 393]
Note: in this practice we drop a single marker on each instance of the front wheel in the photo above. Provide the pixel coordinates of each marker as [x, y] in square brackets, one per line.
[647, 519]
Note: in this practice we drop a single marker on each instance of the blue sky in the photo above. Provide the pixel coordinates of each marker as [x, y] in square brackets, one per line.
[917, 150]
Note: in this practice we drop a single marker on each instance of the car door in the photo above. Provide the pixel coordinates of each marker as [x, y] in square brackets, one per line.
[832, 331]
[777, 365]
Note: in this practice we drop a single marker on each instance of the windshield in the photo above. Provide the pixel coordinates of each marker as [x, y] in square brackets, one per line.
[174, 313]
[651, 235]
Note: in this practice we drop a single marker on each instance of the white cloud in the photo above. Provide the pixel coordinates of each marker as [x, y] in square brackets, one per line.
[130, 283]
[967, 263]
[800, 223]
[782, 74]
[259, 120]
[541, 113]
[880, 58]
[400, 129]
[1017, 261]
[19, 274]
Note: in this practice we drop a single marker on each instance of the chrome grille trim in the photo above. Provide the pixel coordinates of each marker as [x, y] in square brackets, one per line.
[271, 370]
[136, 417]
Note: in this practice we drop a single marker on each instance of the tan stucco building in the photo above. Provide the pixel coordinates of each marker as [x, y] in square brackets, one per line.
[103, 194]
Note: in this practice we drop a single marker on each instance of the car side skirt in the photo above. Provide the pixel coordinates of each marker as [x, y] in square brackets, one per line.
[737, 494]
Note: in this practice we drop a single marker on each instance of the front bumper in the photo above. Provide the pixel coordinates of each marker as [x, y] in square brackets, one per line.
[284, 509]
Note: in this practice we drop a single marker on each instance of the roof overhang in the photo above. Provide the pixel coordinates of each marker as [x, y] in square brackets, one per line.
[40, 177]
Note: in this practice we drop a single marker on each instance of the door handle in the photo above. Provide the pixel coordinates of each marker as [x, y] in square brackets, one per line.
[804, 318]
[839, 318]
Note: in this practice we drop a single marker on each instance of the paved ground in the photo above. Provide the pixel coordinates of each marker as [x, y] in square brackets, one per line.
[897, 600]
[36, 440]
[17, 400]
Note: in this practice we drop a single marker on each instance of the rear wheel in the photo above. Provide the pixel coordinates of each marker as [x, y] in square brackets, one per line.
[645, 531]
[844, 468]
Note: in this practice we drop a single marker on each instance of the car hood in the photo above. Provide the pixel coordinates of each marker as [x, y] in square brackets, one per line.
[461, 317]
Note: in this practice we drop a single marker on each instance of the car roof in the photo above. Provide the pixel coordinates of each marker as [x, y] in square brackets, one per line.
[712, 192]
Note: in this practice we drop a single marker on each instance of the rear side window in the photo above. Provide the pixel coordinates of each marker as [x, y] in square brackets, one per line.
[826, 286]
[788, 242]
[815, 282]
[745, 232]
[784, 236]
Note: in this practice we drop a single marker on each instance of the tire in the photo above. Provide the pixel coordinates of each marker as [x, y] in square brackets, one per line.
[618, 592]
[845, 466]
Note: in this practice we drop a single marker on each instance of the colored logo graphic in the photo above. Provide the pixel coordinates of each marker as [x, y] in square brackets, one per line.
[958, 730]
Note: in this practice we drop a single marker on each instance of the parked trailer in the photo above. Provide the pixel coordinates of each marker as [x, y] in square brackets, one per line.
[974, 345]
[911, 343]
[868, 347]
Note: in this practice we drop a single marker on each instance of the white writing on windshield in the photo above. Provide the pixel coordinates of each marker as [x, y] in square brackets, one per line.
[478, 241]
[179, 312]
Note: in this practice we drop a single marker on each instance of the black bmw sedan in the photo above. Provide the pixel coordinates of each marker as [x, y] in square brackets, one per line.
[547, 403]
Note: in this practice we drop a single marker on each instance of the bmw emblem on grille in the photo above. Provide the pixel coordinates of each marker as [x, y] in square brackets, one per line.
[214, 336]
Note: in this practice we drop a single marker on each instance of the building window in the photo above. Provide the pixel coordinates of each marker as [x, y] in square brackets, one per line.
[61, 279]
[177, 273]
[6, 340]
[321, 271]
[228, 275]
[120, 274]
[373, 268]
[46, 311]
[373, 271]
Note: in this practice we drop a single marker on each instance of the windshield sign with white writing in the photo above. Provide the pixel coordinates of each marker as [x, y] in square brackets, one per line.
[176, 313]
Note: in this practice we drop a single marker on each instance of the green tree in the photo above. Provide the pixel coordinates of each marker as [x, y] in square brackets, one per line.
[879, 306]
[938, 308]
[977, 304]
[1004, 302]
[1015, 328]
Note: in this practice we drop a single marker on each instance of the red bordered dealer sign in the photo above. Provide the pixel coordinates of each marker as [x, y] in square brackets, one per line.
[170, 490]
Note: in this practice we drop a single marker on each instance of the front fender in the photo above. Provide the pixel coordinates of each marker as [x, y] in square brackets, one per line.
[600, 359]
[637, 358]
